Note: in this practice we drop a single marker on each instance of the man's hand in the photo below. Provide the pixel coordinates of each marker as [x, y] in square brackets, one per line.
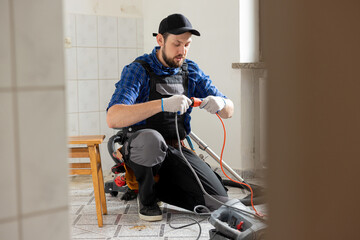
[213, 104]
[176, 103]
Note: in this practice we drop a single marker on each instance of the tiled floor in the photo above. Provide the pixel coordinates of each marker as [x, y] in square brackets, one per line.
[122, 221]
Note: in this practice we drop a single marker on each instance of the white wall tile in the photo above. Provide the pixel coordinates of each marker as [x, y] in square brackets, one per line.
[87, 63]
[39, 43]
[140, 32]
[126, 56]
[9, 230]
[70, 60]
[88, 95]
[108, 63]
[86, 30]
[70, 28]
[8, 171]
[5, 47]
[107, 31]
[107, 88]
[89, 123]
[54, 226]
[140, 51]
[43, 150]
[72, 96]
[73, 124]
[127, 32]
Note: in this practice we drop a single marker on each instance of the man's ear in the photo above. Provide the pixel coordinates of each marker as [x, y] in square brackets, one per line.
[160, 39]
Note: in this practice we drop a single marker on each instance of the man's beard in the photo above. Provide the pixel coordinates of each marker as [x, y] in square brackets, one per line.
[171, 62]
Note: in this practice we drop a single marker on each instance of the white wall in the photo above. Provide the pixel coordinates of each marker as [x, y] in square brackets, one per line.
[215, 50]
[123, 8]
[34, 170]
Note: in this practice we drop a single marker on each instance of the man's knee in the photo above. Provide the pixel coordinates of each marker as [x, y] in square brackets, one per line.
[147, 148]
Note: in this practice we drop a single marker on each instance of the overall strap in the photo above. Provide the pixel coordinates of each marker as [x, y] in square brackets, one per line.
[184, 67]
[145, 65]
[185, 74]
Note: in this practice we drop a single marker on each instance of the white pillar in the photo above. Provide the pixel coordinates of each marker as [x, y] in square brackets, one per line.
[249, 31]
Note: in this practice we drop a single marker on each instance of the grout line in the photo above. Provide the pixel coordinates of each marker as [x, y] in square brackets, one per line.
[117, 47]
[16, 119]
[136, 35]
[162, 230]
[87, 79]
[133, 48]
[91, 199]
[31, 88]
[6, 89]
[127, 208]
[76, 75]
[77, 219]
[98, 75]
[117, 230]
[118, 219]
[45, 212]
[79, 210]
[8, 219]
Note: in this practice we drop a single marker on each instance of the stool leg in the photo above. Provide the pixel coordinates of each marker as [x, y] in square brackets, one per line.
[101, 181]
[95, 177]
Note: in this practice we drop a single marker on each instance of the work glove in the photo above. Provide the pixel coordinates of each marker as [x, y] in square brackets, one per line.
[213, 104]
[176, 103]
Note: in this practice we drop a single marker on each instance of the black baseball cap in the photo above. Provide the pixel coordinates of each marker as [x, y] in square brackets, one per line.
[176, 24]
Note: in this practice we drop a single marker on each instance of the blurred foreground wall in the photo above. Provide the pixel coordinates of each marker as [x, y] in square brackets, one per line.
[312, 50]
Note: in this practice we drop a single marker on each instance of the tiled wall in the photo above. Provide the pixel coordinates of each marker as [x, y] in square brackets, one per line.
[33, 172]
[98, 48]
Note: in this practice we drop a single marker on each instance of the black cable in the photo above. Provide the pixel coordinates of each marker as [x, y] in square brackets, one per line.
[187, 225]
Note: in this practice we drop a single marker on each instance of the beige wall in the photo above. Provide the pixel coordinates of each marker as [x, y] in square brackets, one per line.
[312, 51]
[33, 172]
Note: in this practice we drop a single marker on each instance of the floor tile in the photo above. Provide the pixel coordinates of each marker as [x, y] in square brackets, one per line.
[91, 219]
[93, 231]
[140, 229]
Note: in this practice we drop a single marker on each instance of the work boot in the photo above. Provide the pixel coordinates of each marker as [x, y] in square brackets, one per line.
[149, 213]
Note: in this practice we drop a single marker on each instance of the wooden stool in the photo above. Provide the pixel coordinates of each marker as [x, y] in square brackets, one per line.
[93, 168]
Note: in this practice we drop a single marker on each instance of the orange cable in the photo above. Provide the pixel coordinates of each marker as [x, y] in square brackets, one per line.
[222, 151]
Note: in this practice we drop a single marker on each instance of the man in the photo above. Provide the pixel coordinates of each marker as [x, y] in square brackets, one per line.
[151, 91]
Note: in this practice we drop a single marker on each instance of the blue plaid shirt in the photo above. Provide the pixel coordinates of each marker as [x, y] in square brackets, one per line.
[133, 86]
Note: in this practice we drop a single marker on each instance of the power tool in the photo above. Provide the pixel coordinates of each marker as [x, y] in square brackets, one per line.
[234, 220]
